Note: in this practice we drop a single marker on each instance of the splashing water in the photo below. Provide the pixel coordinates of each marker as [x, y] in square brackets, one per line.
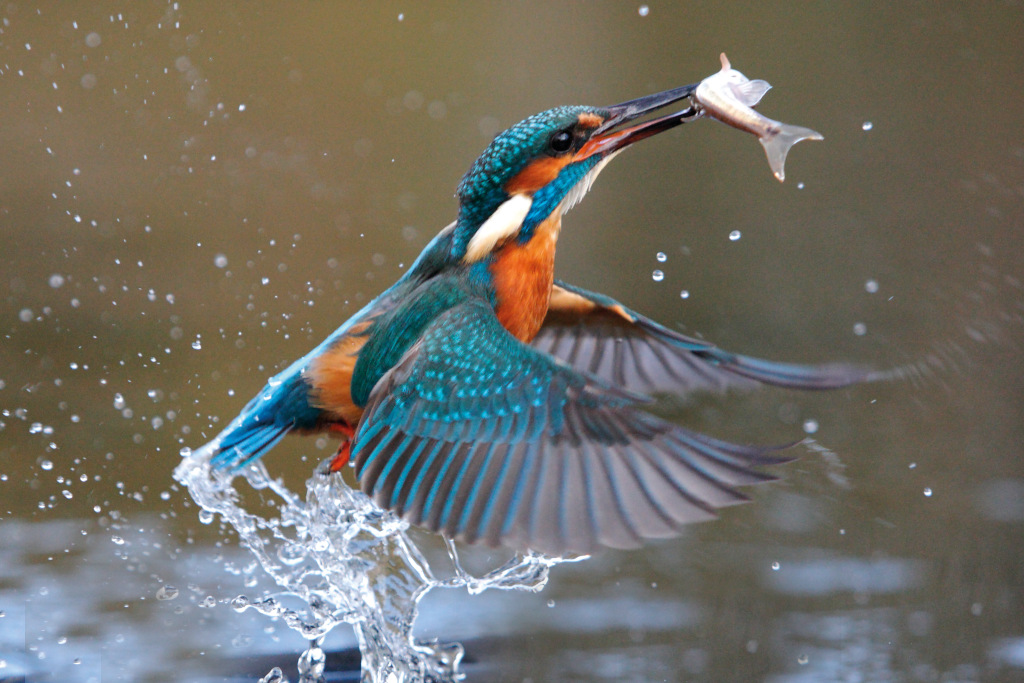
[347, 561]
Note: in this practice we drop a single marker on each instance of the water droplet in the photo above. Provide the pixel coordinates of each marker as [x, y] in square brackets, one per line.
[776, 566]
[56, 280]
[197, 344]
[119, 402]
[240, 603]
[220, 260]
[735, 235]
[810, 426]
[643, 10]
[661, 256]
[657, 276]
[25, 315]
[685, 294]
[93, 39]
[275, 675]
[67, 494]
[205, 517]
[871, 286]
[799, 186]
[928, 493]
[802, 660]
[312, 663]
[551, 603]
[117, 540]
[867, 125]
[860, 329]
[46, 465]
[166, 592]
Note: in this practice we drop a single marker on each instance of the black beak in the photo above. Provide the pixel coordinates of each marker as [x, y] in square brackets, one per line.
[610, 137]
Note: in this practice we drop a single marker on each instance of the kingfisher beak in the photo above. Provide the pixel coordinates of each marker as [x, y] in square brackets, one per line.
[610, 136]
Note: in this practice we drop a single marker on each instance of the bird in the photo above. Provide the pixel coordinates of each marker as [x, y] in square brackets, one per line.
[482, 398]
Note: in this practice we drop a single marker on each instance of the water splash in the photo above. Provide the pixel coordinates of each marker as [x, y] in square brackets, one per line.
[348, 562]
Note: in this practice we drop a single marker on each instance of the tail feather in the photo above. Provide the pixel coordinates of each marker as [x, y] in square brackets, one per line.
[241, 446]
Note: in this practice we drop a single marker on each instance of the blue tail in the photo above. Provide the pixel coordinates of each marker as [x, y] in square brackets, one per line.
[245, 443]
[282, 406]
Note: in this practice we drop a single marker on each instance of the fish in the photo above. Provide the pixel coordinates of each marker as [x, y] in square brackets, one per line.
[729, 96]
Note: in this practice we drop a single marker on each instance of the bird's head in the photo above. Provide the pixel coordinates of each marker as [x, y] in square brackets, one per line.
[544, 165]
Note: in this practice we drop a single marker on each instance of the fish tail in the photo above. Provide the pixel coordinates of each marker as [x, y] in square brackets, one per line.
[777, 143]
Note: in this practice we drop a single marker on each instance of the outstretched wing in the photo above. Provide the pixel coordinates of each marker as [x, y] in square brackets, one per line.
[596, 334]
[485, 439]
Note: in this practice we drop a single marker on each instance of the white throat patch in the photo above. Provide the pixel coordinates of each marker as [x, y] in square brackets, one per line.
[580, 189]
[504, 223]
[507, 219]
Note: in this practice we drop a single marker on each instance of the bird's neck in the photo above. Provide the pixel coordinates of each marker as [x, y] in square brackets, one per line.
[523, 275]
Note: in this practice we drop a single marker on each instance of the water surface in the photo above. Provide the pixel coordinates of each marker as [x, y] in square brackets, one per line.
[193, 194]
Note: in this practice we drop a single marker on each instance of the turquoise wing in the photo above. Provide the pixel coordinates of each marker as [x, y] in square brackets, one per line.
[597, 335]
[487, 440]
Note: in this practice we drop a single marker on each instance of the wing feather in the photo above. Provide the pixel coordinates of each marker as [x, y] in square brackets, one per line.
[597, 335]
[486, 439]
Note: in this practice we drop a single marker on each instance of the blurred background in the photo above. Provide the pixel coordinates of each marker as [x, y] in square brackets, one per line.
[194, 194]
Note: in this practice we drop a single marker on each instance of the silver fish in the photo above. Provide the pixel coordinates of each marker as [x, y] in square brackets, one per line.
[729, 95]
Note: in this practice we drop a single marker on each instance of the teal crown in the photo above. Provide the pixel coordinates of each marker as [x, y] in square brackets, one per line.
[482, 189]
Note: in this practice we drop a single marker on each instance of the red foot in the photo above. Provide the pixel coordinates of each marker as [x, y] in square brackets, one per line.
[341, 458]
[345, 450]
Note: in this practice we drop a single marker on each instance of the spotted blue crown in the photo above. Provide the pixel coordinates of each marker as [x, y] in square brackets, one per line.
[482, 190]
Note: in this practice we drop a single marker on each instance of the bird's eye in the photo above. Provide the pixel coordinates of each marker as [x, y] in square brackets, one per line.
[561, 142]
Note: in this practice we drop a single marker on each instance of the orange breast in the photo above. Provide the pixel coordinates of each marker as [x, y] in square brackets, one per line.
[523, 275]
[331, 376]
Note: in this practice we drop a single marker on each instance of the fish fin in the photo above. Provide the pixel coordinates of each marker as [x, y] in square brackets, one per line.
[751, 92]
[776, 145]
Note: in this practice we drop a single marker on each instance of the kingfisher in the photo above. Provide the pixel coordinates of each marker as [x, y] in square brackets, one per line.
[482, 398]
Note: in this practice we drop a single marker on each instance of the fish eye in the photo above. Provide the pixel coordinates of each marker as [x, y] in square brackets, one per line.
[561, 142]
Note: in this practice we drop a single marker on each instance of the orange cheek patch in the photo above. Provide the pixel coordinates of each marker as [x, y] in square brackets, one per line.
[536, 175]
[588, 120]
